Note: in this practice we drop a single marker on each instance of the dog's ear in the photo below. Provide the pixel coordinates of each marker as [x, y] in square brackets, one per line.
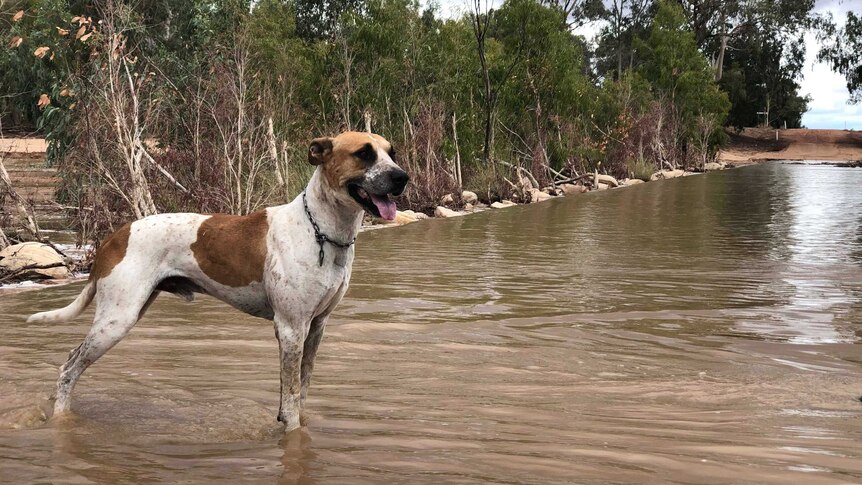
[320, 150]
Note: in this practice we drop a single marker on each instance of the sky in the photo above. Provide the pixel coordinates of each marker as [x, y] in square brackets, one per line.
[828, 107]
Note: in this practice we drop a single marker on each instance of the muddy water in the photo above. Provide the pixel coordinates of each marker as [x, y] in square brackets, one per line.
[703, 329]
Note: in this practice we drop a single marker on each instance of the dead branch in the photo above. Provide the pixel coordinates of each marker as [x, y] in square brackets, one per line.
[28, 267]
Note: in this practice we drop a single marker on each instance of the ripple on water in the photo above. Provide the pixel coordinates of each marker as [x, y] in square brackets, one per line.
[688, 331]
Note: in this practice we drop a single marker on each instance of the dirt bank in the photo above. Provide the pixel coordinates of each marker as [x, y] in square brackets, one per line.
[760, 144]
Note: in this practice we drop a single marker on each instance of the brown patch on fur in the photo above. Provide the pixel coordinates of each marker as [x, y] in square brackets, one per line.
[232, 249]
[110, 253]
[343, 165]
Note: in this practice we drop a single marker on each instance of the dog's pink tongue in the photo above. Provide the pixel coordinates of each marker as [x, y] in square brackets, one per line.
[385, 206]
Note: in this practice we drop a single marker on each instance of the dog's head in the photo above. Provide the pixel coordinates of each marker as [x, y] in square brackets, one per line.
[362, 167]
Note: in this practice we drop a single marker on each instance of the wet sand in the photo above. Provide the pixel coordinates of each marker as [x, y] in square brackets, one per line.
[754, 145]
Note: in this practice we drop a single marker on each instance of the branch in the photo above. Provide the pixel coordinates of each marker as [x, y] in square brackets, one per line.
[29, 267]
[161, 169]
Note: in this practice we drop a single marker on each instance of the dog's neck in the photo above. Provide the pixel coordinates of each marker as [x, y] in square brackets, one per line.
[337, 218]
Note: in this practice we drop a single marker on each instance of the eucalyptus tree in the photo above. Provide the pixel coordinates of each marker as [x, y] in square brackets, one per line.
[842, 49]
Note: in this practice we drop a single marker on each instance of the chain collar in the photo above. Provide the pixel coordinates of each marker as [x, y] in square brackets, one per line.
[320, 237]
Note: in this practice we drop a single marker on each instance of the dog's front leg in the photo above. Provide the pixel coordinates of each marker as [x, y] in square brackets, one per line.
[291, 338]
[309, 351]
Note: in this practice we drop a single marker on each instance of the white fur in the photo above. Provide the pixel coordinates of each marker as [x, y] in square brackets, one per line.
[296, 292]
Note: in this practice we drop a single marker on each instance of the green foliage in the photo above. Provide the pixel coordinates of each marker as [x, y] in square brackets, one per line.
[645, 97]
[679, 73]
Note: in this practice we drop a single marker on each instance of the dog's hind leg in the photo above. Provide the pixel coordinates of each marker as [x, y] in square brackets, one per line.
[117, 311]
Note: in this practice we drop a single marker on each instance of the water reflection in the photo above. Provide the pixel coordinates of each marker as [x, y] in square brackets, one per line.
[817, 226]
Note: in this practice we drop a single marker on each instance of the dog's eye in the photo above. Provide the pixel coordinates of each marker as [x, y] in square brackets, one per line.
[366, 153]
[392, 153]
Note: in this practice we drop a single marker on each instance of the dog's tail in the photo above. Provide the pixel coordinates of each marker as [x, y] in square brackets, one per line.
[68, 312]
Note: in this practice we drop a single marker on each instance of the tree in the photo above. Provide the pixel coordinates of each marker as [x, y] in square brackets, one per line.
[842, 49]
[626, 20]
[680, 75]
[756, 52]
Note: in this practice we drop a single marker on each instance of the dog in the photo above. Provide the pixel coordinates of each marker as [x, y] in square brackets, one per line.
[290, 264]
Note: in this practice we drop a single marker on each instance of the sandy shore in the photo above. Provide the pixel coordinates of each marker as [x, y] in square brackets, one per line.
[754, 145]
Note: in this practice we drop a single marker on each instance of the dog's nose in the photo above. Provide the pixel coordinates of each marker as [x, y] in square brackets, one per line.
[399, 181]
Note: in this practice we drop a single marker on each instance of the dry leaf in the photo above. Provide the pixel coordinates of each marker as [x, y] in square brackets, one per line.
[62, 32]
[18, 16]
[75, 19]
[72, 106]
[86, 36]
[41, 51]
[80, 31]
[52, 56]
[16, 41]
[44, 101]
[64, 92]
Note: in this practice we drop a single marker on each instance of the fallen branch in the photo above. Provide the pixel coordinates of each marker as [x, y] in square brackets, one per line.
[28, 267]
[524, 171]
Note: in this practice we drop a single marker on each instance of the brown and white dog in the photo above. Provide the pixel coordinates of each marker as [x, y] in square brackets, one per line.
[289, 263]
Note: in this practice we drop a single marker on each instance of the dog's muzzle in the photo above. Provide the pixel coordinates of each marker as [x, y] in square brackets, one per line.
[373, 193]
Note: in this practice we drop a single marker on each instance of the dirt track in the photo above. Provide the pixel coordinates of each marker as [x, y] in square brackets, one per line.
[759, 144]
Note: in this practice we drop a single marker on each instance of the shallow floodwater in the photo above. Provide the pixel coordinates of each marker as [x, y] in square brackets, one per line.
[702, 329]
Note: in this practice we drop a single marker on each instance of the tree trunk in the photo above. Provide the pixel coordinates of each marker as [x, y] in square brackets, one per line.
[719, 63]
[458, 179]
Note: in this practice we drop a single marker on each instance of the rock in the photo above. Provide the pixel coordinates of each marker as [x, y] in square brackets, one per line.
[447, 199]
[503, 204]
[469, 197]
[709, 167]
[468, 206]
[630, 182]
[608, 180]
[401, 218]
[667, 174]
[421, 217]
[603, 186]
[572, 189]
[537, 195]
[441, 211]
[405, 218]
[17, 256]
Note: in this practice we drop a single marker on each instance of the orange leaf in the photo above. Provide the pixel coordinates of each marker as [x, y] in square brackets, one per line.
[62, 32]
[75, 19]
[18, 16]
[80, 31]
[86, 36]
[64, 92]
[41, 51]
[44, 101]
[16, 42]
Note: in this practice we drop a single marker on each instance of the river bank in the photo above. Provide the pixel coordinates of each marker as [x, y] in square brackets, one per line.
[451, 205]
[750, 146]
